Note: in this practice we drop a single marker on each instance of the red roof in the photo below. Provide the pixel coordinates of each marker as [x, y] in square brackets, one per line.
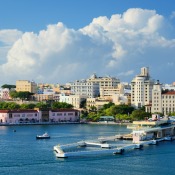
[169, 93]
[18, 111]
[64, 110]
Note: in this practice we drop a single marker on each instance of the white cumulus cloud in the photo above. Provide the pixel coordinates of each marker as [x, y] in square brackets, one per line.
[123, 42]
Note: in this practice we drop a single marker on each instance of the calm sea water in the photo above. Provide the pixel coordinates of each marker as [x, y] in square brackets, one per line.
[22, 154]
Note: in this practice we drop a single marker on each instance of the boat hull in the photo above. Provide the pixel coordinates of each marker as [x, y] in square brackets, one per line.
[41, 137]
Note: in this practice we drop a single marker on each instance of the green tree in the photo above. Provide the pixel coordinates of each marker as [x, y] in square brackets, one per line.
[63, 105]
[139, 115]
[13, 94]
[24, 95]
[27, 106]
[9, 105]
[172, 114]
[41, 105]
[8, 86]
[106, 106]
[92, 116]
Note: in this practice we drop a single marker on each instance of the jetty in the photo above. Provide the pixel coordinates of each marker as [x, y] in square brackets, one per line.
[146, 133]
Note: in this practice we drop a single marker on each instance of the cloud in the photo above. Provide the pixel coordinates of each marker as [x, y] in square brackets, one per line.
[123, 42]
[128, 73]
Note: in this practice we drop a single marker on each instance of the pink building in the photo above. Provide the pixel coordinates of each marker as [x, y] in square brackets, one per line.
[64, 115]
[19, 116]
[37, 116]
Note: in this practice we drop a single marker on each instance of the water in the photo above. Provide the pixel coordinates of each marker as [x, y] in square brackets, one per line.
[21, 153]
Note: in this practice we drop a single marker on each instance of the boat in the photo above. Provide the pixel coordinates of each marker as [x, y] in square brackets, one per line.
[43, 136]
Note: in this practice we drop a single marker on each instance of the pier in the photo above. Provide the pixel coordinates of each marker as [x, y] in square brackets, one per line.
[154, 132]
[113, 147]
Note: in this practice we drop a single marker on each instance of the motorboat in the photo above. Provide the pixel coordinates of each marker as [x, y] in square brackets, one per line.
[43, 136]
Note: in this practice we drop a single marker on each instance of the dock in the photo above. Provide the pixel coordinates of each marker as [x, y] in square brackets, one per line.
[101, 148]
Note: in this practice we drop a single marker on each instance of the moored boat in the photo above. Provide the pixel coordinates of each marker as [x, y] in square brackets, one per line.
[43, 136]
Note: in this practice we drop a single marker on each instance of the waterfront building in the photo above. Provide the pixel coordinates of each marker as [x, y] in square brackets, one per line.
[38, 116]
[19, 116]
[64, 115]
[26, 86]
[141, 89]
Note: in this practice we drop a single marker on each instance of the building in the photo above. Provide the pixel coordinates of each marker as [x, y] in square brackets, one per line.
[108, 91]
[19, 116]
[5, 94]
[76, 100]
[38, 116]
[156, 106]
[96, 102]
[43, 97]
[141, 89]
[163, 101]
[168, 102]
[26, 86]
[64, 115]
[104, 81]
[85, 88]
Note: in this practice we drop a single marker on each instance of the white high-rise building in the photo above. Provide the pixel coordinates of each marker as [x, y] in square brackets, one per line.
[141, 89]
[89, 89]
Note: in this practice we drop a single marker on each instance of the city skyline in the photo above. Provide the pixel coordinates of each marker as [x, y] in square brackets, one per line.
[62, 41]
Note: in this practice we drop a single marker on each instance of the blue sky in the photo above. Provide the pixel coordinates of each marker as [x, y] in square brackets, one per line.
[59, 41]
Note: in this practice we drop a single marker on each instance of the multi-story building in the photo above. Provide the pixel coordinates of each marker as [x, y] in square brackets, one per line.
[163, 101]
[26, 86]
[39, 116]
[156, 98]
[104, 81]
[74, 100]
[85, 88]
[141, 89]
[168, 102]
[96, 102]
[108, 91]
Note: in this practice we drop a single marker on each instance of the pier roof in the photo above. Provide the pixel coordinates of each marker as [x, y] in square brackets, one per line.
[150, 123]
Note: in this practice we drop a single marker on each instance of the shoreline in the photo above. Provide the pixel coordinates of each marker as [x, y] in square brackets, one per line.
[50, 123]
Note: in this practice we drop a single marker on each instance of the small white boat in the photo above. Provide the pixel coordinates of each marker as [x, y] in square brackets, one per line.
[44, 136]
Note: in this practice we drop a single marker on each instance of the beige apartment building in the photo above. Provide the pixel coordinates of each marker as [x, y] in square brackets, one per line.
[26, 86]
[162, 101]
[108, 91]
[103, 81]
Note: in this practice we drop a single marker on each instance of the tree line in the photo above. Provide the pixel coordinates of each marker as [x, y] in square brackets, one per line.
[41, 105]
[120, 112]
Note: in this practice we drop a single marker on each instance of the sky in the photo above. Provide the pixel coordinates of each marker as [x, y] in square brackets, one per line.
[60, 41]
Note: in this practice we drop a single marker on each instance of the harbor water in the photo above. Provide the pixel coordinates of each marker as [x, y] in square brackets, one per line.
[21, 153]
